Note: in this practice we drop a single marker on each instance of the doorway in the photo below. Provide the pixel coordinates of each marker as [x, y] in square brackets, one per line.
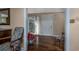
[47, 31]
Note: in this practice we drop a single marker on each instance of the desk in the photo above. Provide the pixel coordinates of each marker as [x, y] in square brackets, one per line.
[5, 35]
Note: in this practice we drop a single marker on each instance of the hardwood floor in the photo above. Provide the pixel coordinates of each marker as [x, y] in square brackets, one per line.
[47, 43]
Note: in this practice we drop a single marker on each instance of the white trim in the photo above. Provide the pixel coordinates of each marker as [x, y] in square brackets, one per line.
[48, 35]
[25, 29]
[67, 29]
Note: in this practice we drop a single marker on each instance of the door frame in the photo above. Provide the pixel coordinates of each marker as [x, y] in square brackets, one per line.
[67, 29]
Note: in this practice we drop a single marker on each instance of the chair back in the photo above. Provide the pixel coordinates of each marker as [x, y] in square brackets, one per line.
[16, 38]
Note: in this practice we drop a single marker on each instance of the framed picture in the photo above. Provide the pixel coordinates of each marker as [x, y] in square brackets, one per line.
[5, 16]
[72, 20]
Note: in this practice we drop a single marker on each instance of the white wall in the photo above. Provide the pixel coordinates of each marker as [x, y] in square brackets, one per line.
[74, 29]
[44, 10]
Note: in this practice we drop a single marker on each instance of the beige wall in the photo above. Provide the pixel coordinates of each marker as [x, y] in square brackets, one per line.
[16, 18]
[59, 23]
[74, 29]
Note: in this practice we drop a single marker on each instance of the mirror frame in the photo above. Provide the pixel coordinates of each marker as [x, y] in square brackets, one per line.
[8, 21]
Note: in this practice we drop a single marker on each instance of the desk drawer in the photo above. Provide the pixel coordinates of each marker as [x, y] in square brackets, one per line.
[1, 34]
[5, 35]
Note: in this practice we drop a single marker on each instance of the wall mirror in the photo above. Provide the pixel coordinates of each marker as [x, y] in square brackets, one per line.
[5, 16]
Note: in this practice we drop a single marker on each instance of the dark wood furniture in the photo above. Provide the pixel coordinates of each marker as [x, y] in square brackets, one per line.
[5, 35]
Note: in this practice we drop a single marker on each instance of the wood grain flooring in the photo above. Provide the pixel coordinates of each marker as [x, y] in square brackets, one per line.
[47, 43]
